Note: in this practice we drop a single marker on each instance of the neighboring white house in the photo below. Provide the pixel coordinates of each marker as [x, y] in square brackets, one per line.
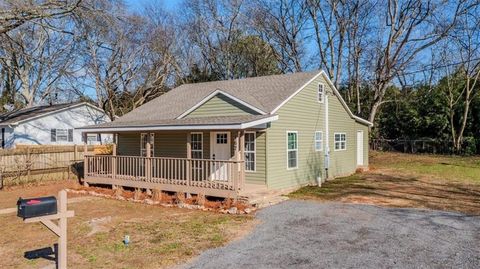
[51, 125]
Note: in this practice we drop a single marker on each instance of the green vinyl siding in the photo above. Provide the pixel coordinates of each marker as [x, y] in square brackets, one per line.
[128, 144]
[304, 114]
[221, 105]
[258, 176]
[342, 162]
[168, 144]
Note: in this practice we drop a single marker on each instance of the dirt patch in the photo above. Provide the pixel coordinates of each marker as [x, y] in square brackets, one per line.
[390, 183]
[10, 195]
[160, 237]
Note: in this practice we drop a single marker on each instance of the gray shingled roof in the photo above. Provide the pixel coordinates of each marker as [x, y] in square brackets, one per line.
[215, 120]
[264, 93]
[27, 113]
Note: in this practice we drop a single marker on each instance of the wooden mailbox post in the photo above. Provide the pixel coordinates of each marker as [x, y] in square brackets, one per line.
[60, 229]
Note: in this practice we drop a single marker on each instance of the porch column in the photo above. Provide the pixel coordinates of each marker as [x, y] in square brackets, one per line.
[85, 160]
[148, 161]
[189, 158]
[242, 159]
[114, 156]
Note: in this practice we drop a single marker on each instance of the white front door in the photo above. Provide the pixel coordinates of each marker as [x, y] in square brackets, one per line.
[220, 150]
[359, 148]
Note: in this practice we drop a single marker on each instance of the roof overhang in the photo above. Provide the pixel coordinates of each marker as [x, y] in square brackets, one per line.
[258, 123]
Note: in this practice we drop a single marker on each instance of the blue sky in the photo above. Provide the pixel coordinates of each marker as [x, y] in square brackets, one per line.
[169, 5]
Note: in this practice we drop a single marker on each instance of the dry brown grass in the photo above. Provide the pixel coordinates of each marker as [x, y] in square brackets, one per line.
[160, 237]
[405, 180]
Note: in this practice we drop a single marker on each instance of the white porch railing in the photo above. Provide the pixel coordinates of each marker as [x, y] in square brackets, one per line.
[196, 173]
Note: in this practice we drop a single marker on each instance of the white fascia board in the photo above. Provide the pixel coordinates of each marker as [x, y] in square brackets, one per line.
[259, 122]
[211, 95]
[180, 127]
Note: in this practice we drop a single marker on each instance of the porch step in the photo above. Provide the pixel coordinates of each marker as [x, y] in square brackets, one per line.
[260, 196]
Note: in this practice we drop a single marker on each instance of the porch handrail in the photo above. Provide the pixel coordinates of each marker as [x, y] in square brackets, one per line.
[204, 173]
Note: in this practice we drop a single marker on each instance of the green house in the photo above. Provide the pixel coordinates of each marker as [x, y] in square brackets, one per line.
[226, 138]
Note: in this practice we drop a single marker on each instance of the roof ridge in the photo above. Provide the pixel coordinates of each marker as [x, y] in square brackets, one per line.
[250, 78]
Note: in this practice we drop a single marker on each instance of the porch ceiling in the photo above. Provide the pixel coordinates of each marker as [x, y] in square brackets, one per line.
[199, 123]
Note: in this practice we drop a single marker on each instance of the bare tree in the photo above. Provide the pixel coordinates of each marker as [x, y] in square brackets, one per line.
[461, 53]
[15, 13]
[282, 24]
[35, 60]
[409, 28]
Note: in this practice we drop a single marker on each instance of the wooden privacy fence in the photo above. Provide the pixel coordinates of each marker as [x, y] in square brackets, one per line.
[168, 174]
[34, 160]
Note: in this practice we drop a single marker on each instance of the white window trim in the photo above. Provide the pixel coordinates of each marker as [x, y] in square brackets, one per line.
[195, 150]
[254, 152]
[323, 93]
[296, 167]
[335, 142]
[152, 145]
[315, 141]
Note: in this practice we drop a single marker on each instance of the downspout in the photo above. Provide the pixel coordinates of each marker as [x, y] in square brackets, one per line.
[327, 135]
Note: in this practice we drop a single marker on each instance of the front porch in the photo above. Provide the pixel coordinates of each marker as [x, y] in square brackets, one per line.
[220, 178]
[205, 162]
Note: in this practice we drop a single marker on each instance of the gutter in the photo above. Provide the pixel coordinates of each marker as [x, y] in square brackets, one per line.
[173, 127]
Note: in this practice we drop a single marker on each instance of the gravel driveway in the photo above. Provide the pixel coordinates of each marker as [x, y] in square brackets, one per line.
[304, 234]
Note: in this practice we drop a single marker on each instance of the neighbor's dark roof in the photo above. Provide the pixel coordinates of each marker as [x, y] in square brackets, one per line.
[215, 120]
[27, 113]
[264, 93]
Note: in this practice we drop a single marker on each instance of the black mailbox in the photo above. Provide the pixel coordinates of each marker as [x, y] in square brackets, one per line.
[36, 207]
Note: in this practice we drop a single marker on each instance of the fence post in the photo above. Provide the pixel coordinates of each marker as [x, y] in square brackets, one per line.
[29, 161]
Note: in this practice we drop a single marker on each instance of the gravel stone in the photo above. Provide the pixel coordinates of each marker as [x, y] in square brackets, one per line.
[306, 234]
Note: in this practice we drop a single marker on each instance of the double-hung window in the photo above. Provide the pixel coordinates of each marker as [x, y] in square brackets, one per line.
[318, 141]
[144, 137]
[292, 149]
[321, 92]
[340, 141]
[196, 142]
[250, 148]
[196, 150]
[61, 135]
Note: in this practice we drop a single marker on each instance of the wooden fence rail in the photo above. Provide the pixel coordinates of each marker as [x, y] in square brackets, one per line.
[28, 160]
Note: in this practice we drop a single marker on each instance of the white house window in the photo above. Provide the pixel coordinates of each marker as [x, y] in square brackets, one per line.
[318, 141]
[144, 137]
[292, 149]
[93, 138]
[340, 141]
[250, 148]
[222, 138]
[196, 145]
[321, 92]
[61, 135]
